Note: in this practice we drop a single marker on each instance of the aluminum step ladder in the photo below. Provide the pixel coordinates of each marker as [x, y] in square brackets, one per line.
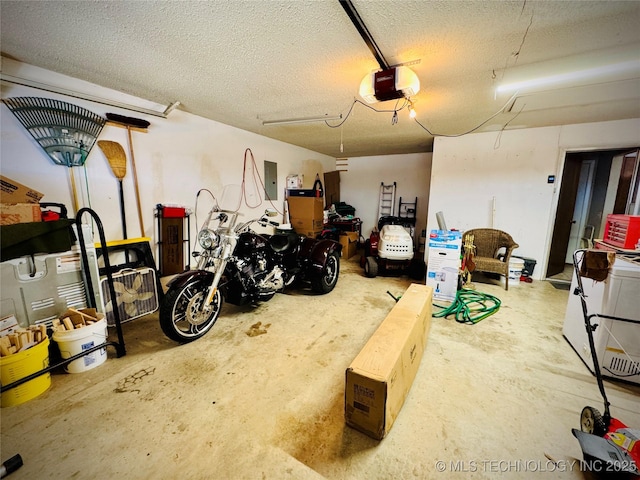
[387, 202]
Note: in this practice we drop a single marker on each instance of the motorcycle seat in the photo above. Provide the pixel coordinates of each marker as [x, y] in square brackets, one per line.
[281, 242]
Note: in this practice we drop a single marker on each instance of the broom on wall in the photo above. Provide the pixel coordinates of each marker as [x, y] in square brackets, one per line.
[141, 125]
[118, 163]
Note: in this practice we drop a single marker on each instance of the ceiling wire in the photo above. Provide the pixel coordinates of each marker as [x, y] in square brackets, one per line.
[524, 37]
[474, 128]
[496, 144]
[406, 103]
[516, 54]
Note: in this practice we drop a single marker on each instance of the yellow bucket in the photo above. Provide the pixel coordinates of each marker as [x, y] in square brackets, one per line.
[20, 365]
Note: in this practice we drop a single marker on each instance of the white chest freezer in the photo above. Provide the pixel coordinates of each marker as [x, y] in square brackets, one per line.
[617, 343]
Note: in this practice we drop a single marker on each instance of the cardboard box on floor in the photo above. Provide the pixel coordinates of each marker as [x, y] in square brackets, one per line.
[380, 377]
[14, 192]
[349, 241]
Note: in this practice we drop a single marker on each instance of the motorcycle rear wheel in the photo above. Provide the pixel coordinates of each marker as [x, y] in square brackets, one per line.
[181, 315]
[327, 279]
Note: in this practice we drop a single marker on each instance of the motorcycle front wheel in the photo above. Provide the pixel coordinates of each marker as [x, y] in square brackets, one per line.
[182, 317]
[327, 279]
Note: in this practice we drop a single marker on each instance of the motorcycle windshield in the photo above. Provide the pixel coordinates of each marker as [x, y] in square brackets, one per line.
[230, 198]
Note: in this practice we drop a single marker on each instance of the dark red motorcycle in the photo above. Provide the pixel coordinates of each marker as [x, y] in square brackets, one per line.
[242, 267]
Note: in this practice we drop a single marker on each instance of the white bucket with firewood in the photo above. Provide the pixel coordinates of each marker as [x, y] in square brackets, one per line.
[80, 339]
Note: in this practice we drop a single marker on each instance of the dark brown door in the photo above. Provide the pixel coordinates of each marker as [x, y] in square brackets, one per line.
[624, 185]
[564, 214]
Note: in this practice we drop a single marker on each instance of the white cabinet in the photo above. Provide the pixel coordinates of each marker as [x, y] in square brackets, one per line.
[617, 343]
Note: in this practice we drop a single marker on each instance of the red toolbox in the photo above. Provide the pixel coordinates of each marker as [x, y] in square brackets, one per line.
[622, 231]
[172, 212]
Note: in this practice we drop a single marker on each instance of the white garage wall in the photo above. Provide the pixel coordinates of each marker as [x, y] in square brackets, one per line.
[360, 185]
[475, 173]
[465, 177]
[174, 159]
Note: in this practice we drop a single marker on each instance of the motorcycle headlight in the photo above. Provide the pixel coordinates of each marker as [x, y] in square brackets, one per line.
[208, 239]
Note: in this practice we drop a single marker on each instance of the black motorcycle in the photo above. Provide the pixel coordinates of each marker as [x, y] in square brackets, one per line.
[242, 267]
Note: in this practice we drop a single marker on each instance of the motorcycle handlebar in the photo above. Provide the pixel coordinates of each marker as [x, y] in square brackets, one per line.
[264, 222]
[260, 221]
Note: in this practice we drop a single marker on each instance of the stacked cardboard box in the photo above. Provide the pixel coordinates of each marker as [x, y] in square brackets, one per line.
[306, 215]
[18, 203]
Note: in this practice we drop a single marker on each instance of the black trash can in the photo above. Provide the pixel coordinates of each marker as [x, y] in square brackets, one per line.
[529, 265]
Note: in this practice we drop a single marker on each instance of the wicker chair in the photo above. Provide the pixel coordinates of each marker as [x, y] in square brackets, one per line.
[489, 244]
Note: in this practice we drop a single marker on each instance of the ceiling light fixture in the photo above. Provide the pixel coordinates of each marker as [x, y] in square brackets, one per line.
[412, 111]
[610, 72]
[290, 121]
[84, 96]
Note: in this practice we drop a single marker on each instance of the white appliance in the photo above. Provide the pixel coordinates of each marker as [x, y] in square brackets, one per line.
[443, 265]
[617, 343]
[36, 289]
[136, 294]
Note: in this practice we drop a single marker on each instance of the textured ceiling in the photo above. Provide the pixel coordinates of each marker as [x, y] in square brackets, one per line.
[242, 62]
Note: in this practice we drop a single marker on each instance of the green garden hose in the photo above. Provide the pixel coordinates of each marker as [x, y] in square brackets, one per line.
[470, 307]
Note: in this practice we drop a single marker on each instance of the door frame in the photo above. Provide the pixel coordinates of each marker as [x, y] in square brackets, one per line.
[585, 190]
[561, 219]
[562, 165]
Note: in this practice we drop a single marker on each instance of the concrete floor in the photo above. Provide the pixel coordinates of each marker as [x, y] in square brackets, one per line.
[489, 401]
[565, 276]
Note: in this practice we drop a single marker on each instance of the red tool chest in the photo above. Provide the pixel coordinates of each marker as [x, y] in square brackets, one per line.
[622, 231]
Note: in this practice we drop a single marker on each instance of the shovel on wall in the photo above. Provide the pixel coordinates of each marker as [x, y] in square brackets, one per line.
[118, 163]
